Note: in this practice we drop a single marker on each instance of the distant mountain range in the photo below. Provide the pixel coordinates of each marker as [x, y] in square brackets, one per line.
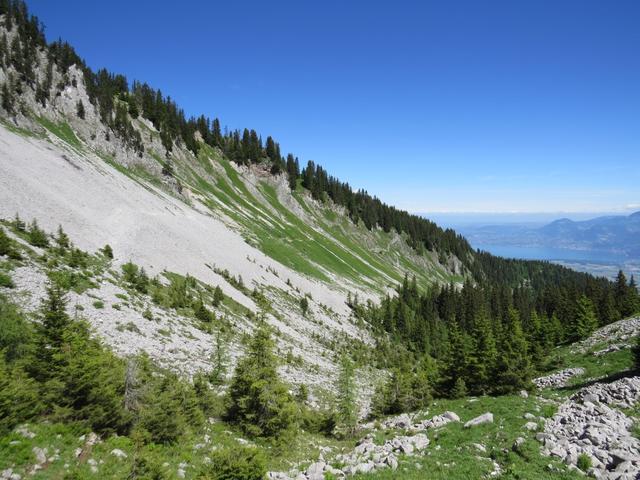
[615, 234]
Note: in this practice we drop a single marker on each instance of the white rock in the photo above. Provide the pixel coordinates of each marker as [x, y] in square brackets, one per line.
[479, 420]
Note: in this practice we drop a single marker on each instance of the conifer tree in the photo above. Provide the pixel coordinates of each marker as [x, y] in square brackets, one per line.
[19, 224]
[80, 109]
[347, 409]
[218, 296]
[257, 399]
[5, 243]
[7, 99]
[219, 360]
[586, 320]
[62, 239]
[483, 358]
[50, 333]
[514, 364]
[37, 236]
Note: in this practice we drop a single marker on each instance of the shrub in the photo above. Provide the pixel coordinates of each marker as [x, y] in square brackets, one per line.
[145, 468]
[98, 304]
[584, 462]
[243, 463]
[5, 280]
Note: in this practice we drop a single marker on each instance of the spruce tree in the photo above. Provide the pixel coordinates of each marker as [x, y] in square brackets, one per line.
[347, 408]
[50, 333]
[5, 243]
[218, 296]
[37, 236]
[219, 360]
[7, 99]
[514, 364]
[257, 400]
[80, 109]
[586, 320]
[483, 357]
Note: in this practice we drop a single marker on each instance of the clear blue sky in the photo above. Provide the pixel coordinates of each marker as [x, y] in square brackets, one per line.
[432, 106]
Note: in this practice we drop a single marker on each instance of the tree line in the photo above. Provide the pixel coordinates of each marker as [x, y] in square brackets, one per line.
[484, 339]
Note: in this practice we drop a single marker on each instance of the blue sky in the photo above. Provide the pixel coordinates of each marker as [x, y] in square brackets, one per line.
[487, 106]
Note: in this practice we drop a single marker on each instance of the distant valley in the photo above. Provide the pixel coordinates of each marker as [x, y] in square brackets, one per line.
[600, 245]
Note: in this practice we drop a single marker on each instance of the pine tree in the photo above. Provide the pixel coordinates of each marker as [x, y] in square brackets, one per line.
[80, 109]
[50, 333]
[459, 357]
[304, 305]
[514, 364]
[37, 236]
[483, 358]
[347, 408]
[219, 360]
[257, 399]
[62, 239]
[218, 296]
[6, 247]
[623, 295]
[19, 224]
[7, 99]
[586, 320]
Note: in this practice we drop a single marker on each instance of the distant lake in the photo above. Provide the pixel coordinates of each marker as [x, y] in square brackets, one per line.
[558, 254]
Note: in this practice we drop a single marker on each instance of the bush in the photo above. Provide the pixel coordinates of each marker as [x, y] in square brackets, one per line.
[145, 468]
[241, 463]
[584, 462]
[98, 304]
[5, 280]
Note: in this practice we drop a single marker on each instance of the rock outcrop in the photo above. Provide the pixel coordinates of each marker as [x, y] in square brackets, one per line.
[558, 379]
[588, 424]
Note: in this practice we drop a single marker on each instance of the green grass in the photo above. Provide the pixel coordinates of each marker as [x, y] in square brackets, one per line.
[63, 131]
[456, 457]
[608, 366]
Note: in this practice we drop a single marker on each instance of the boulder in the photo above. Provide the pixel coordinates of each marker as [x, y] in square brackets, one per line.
[479, 420]
[116, 452]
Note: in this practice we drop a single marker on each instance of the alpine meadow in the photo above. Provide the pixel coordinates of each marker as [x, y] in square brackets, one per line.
[182, 299]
